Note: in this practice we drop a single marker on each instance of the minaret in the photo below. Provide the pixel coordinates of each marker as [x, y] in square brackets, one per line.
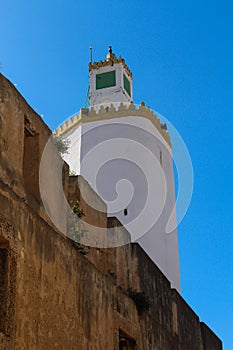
[110, 80]
[124, 152]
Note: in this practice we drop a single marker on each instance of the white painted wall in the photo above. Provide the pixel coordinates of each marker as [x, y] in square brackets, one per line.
[120, 158]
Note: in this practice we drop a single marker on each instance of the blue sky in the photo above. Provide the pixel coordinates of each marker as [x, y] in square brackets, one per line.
[180, 54]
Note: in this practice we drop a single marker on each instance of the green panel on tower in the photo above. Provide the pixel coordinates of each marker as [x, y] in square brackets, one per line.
[105, 80]
[127, 85]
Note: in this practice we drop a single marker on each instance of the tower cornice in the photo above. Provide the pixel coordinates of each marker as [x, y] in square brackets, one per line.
[112, 112]
[110, 62]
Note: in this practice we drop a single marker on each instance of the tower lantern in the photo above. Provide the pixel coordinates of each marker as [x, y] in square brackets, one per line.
[110, 80]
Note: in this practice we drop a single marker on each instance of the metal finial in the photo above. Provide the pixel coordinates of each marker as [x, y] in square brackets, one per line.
[90, 53]
[110, 49]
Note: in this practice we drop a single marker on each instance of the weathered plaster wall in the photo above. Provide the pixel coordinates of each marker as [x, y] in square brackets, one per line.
[62, 301]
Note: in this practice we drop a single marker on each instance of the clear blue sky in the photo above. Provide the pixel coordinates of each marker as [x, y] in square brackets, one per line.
[181, 56]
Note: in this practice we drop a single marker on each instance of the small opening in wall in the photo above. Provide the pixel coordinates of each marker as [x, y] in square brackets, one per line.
[161, 158]
[125, 211]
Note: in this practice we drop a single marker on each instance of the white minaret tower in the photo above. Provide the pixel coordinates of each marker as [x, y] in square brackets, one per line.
[124, 152]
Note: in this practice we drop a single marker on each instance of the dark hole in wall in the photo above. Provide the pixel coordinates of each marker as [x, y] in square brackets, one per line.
[161, 158]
